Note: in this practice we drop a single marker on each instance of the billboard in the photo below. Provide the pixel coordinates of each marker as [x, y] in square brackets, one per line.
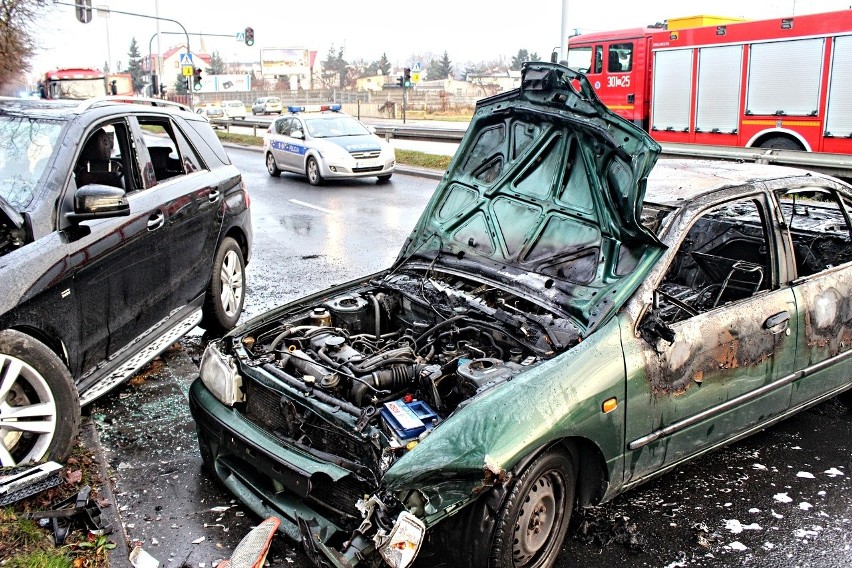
[224, 84]
[284, 61]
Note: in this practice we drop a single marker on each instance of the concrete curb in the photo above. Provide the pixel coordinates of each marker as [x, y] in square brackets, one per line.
[119, 557]
[401, 168]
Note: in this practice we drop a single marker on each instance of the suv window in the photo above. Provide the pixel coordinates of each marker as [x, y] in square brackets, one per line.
[171, 155]
[818, 228]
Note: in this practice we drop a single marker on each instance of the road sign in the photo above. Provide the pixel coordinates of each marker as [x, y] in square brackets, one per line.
[415, 77]
[186, 59]
[187, 70]
[241, 37]
[416, 67]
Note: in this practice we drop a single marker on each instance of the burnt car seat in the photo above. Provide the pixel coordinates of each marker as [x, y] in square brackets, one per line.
[95, 164]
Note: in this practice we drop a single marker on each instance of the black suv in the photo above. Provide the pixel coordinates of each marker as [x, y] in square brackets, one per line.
[123, 225]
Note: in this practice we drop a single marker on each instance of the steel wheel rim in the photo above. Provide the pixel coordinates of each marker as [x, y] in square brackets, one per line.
[538, 519]
[232, 284]
[20, 415]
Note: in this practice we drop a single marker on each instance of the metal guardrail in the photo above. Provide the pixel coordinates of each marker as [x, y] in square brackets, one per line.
[839, 165]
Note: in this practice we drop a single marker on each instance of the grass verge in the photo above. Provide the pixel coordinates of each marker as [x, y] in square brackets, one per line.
[24, 544]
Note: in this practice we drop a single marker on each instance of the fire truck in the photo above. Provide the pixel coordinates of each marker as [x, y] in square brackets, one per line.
[778, 83]
[84, 83]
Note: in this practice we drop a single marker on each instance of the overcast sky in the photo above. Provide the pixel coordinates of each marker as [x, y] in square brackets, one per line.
[406, 31]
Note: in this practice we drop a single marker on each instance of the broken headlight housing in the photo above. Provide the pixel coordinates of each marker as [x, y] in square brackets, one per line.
[219, 375]
[400, 547]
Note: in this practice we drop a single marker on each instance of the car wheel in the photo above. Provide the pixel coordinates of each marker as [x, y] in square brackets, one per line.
[781, 143]
[384, 178]
[534, 516]
[271, 166]
[226, 290]
[40, 408]
[846, 399]
[253, 112]
[313, 171]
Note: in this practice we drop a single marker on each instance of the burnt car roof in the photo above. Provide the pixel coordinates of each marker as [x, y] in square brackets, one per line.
[674, 182]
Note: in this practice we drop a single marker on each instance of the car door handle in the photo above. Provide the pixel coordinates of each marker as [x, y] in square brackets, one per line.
[156, 221]
[214, 195]
[776, 320]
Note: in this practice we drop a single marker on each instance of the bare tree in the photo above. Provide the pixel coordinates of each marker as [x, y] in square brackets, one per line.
[17, 45]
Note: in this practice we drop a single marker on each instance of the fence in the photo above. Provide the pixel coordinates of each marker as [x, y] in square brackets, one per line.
[368, 104]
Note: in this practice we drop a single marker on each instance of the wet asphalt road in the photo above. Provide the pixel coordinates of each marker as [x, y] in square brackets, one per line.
[780, 498]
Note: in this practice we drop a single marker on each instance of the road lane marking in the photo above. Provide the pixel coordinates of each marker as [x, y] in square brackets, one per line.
[317, 207]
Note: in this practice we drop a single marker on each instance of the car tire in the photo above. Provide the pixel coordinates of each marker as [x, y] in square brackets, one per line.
[312, 170]
[845, 399]
[271, 166]
[781, 143]
[226, 291]
[35, 378]
[534, 517]
[385, 178]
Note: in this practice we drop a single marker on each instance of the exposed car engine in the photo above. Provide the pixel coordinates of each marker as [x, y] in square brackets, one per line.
[409, 350]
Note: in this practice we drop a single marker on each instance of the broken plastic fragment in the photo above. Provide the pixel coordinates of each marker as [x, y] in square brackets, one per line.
[141, 559]
[252, 550]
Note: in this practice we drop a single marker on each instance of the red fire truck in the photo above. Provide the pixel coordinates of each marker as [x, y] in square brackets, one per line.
[83, 83]
[778, 83]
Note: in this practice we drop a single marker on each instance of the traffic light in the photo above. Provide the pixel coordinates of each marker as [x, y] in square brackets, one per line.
[162, 90]
[249, 36]
[399, 80]
[406, 77]
[155, 88]
[83, 11]
[196, 79]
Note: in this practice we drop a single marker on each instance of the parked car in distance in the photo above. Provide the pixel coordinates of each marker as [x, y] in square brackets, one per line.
[123, 225]
[321, 142]
[566, 321]
[266, 105]
[214, 114]
[234, 109]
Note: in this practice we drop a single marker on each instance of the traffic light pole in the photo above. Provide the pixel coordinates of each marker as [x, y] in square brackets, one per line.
[83, 5]
[404, 101]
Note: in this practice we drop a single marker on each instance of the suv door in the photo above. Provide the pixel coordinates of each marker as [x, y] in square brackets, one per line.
[733, 338]
[190, 196]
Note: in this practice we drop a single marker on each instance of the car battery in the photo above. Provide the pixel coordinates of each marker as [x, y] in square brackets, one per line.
[405, 421]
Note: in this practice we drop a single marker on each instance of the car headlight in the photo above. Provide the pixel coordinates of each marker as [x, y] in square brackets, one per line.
[220, 376]
[400, 548]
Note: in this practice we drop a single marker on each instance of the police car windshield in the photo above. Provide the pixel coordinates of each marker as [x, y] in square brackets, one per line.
[333, 126]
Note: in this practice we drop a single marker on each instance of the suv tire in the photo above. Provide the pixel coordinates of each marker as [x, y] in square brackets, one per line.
[34, 378]
[223, 303]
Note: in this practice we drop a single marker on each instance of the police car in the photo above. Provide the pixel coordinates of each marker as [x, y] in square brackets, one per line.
[324, 143]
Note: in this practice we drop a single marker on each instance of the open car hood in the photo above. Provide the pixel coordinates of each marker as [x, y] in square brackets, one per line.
[546, 180]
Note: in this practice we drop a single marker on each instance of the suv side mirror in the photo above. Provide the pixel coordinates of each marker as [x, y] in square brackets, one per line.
[297, 134]
[95, 201]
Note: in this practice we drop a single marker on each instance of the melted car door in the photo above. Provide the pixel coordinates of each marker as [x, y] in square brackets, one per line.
[817, 224]
[721, 334]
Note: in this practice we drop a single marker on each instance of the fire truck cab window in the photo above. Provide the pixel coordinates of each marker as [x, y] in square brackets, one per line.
[620, 58]
[580, 58]
[598, 58]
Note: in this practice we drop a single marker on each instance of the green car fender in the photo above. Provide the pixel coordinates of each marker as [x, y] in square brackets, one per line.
[559, 399]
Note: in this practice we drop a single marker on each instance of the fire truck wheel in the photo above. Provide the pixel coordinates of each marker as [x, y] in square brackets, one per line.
[781, 143]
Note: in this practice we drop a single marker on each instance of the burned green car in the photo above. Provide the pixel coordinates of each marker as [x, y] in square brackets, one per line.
[566, 321]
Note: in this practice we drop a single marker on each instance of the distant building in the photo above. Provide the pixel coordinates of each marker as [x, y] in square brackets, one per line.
[171, 61]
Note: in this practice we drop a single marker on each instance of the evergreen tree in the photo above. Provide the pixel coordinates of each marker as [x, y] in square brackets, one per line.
[179, 88]
[134, 67]
[440, 68]
[335, 68]
[522, 57]
[217, 65]
[384, 65]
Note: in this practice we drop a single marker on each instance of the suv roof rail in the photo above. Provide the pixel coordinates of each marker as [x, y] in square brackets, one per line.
[112, 99]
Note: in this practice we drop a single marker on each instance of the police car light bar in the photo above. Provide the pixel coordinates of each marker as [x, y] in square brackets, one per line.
[313, 108]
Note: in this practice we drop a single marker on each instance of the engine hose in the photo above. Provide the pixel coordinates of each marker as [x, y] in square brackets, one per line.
[287, 333]
[398, 355]
[392, 379]
[378, 313]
